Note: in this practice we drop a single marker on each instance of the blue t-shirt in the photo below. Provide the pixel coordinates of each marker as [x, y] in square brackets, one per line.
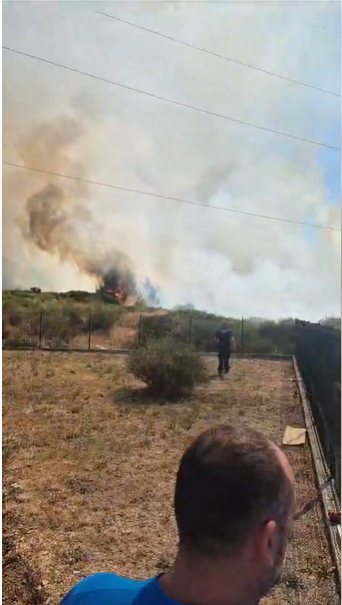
[110, 589]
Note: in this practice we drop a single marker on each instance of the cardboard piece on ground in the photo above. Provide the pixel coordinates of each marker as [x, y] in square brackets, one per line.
[294, 436]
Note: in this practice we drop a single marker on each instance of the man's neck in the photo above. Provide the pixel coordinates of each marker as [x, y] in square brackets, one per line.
[201, 583]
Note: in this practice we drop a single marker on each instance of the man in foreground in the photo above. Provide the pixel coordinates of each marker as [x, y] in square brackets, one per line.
[234, 502]
[226, 344]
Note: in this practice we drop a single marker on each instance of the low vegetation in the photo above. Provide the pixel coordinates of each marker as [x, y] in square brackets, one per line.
[169, 368]
[83, 319]
[93, 320]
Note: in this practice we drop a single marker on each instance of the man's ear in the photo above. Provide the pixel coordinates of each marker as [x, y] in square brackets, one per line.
[267, 542]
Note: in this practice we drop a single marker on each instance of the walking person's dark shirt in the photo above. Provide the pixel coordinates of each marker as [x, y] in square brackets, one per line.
[224, 338]
[225, 345]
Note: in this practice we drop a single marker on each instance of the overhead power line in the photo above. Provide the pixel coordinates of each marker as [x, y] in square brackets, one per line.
[218, 55]
[171, 101]
[329, 30]
[170, 198]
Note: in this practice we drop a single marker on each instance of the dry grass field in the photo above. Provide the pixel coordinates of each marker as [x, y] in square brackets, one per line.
[89, 470]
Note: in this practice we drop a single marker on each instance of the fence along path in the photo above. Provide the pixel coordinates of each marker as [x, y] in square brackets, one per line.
[111, 328]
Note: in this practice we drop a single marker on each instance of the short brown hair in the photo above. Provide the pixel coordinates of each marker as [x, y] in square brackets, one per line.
[229, 481]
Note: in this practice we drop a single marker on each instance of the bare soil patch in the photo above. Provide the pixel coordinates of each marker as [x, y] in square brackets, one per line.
[90, 474]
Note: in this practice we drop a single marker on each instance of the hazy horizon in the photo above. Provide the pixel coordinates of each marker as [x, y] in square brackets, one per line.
[230, 264]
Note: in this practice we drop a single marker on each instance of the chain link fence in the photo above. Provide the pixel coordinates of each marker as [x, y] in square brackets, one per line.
[114, 328]
[318, 353]
[22, 329]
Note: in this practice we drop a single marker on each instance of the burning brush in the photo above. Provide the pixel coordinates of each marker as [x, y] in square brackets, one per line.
[119, 285]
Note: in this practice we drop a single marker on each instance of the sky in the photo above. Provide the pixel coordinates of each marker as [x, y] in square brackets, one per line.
[224, 262]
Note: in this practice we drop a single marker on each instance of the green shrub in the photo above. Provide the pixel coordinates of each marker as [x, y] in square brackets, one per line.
[156, 326]
[58, 332]
[5, 329]
[17, 342]
[140, 303]
[168, 325]
[203, 334]
[107, 299]
[75, 317]
[13, 313]
[198, 328]
[22, 293]
[71, 320]
[60, 324]
[103, 320]
[76, 295]
[169, 368]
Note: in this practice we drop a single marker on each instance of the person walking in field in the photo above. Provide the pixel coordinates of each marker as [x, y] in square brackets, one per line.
[225, 344]
[234, 504]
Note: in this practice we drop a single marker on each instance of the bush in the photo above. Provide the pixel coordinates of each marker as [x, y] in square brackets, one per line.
[5, 329]
[167, 325]
[17, 342]
[103, 319]
[12, 313]
[156, 327]
[79, 296]
[58, 332]
[169, 368]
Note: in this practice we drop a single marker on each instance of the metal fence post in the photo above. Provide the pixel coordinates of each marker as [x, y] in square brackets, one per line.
[242, 336]
[190, 328]
[89, 331]
[337, 476]
[40, 335]
[140, 330]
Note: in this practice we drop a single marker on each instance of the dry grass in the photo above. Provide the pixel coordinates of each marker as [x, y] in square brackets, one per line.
[124, 334]
[90, 468]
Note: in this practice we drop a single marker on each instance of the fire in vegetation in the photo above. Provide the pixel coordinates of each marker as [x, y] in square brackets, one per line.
[119, 285]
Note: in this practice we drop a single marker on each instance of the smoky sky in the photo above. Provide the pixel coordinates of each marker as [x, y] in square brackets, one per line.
[58, 121]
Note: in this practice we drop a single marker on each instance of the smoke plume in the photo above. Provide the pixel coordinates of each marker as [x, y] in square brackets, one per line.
[64, 234]
[56, 217]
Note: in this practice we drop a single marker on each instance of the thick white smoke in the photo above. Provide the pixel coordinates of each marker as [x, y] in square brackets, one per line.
[226, 262]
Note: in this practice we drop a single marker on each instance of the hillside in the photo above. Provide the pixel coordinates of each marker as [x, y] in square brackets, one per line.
[93, 320]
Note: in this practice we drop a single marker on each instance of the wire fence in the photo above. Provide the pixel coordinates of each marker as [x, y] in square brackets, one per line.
[115, 329]
[318, 353]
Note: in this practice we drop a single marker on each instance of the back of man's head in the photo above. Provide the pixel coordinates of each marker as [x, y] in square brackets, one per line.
[230, 482]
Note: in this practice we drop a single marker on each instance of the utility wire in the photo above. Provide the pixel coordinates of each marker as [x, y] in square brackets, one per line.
[169, 198]
[218, 55]
[167, 100]
[329, 30]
